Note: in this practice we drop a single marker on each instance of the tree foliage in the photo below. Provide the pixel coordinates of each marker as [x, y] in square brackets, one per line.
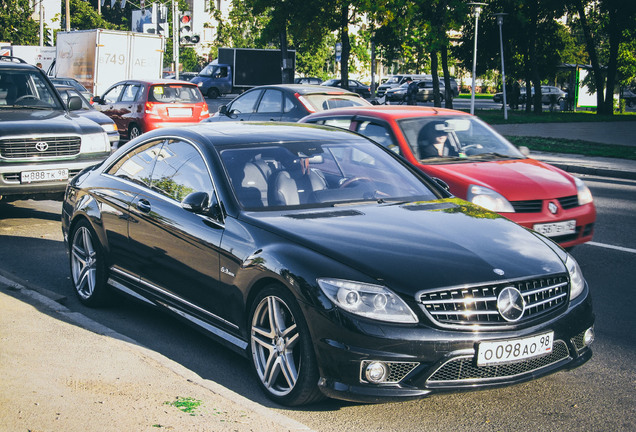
[16, 23]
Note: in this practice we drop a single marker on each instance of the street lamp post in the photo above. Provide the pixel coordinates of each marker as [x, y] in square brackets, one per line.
[500, 16]
[477, 11]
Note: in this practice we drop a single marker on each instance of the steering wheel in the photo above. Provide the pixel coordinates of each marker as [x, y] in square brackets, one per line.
[21, 98]
[352, 182]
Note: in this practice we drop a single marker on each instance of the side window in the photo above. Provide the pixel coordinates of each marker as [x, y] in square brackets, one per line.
[247, 102]
[180, 170]
[113, 94]
[342, 123]
[130, 93]
[289, 104]
[378, 133]
[271, 102]
[137, 166]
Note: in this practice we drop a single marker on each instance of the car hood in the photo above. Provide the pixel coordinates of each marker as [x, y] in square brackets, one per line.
[517, 180]
[419, 245]
[36, 122]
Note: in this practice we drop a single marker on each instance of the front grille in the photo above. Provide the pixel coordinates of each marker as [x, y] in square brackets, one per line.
[569, 202]
[465, 369]
[533, 206]
[478, 304]
[24, 148]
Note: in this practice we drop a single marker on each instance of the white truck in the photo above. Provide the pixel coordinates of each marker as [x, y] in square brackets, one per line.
[99, 58]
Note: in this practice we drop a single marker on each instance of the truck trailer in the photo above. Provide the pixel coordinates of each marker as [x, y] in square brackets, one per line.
[99, 58]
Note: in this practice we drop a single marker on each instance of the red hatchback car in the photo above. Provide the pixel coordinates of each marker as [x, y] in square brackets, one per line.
[139, 106]
[478, 165]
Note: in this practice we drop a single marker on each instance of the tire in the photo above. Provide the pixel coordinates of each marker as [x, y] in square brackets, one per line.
[133, 131]
[213, 93]
[281, 352]
[88, 266]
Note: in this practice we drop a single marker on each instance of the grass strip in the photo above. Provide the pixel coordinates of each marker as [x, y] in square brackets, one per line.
[586, 148]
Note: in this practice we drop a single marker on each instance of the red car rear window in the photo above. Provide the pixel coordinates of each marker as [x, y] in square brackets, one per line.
[174, 93]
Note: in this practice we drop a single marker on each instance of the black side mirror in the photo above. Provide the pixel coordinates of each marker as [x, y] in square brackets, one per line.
[196, 202]
[74, 103]
[223, 110]
[98, 100]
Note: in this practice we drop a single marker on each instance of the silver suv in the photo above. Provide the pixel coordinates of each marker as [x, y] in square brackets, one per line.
[42, 144]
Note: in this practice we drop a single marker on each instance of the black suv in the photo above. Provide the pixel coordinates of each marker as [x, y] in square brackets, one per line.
[42, 144]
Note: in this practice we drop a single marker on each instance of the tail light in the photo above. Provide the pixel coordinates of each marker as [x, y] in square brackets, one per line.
[305, 103]
[152, 109]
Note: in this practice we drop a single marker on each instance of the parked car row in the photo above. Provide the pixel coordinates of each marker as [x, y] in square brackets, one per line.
[425, 92]
[549, 94]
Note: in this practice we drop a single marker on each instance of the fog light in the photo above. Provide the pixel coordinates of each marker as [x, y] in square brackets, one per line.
[588, 337]
[376, 372]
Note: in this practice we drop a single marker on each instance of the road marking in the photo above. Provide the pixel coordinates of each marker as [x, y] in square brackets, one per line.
[620, 248]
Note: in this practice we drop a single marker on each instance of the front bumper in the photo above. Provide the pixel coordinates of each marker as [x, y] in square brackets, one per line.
[424, 360]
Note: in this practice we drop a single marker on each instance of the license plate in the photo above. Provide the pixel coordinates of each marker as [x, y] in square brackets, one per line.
[44, 175]
[514, 350]
[180, 112]
[556, 228]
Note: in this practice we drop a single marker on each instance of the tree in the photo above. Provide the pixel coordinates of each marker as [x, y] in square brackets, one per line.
[606, 24]
[17, 25]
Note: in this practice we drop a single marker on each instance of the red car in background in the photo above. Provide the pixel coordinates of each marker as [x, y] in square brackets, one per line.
[139, 106]
[478, 165]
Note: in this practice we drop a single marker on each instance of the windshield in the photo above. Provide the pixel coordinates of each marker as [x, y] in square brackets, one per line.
[25, 89]
[393, 80]
[318, 174]
[452, 138]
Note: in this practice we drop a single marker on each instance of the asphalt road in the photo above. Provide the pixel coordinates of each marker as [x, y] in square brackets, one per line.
[599, 396]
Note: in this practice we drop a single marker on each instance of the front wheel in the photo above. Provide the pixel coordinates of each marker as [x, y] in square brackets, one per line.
[213, 93]
[88, 267]
[281, 349]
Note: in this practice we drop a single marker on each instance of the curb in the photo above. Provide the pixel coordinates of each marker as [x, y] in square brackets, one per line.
[601, 172]
[39, 296]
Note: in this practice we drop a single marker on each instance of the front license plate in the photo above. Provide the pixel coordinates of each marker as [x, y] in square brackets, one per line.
[44, 175]
[514, 350]
[556, 228]
[180, 112]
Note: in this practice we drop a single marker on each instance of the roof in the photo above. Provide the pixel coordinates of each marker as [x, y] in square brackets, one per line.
[389, 111]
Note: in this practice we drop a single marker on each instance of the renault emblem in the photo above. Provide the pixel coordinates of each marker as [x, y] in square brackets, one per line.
[42, 146]
[552, 207]
[510, 304]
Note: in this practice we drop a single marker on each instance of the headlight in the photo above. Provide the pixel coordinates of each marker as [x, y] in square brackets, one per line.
[583, 192]
[370, 301]
[109, 127]
[489, 199]
[95, 143]
[577, 283]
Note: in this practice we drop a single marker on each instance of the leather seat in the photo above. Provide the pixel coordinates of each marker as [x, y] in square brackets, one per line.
[282, 190]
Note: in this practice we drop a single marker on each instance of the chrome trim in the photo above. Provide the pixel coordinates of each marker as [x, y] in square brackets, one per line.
[124, 288]
[174, 297]
[214, 330]
[491, 282]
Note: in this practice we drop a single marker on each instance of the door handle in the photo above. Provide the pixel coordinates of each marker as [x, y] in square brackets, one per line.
[144, 205]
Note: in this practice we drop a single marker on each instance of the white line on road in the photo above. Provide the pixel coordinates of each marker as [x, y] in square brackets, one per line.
[620, 248]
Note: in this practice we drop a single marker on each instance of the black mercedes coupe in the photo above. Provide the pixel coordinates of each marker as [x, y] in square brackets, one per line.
[336, 267]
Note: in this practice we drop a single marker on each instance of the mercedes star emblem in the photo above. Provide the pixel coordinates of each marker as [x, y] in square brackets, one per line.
[510, 304]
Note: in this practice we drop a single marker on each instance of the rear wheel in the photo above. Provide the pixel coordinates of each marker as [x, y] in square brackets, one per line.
[213, 93]
[281, 349]
[88, 267]
[133, 131]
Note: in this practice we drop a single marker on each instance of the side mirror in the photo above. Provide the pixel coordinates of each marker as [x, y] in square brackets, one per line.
[442, 183]
[74, 103]
[196, 202]
[98, 100]
[223, 110]
[524, 151]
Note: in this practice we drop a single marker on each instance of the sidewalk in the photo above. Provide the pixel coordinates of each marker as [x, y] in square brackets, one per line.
[60, 371]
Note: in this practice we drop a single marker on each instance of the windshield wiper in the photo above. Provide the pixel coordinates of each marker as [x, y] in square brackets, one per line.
[491, 154]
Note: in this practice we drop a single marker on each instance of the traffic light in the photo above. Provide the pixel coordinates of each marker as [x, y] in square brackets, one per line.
[185, 27]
